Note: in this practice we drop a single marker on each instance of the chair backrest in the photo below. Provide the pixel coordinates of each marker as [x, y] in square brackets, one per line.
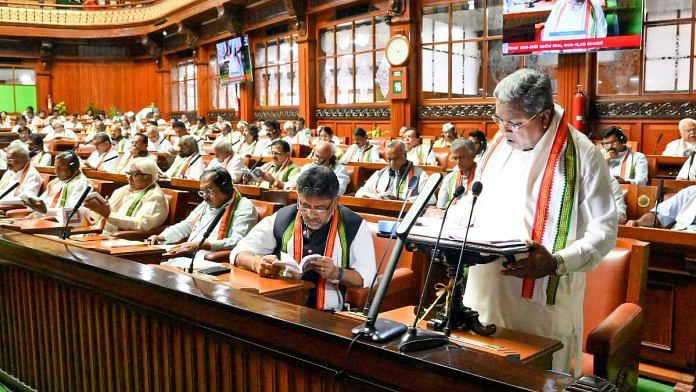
[45, 178]
[357, 175]
[265, 208]
[442, 157]
[619, 278]
[178, 208]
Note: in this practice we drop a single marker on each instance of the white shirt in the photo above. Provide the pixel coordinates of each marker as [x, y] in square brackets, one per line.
[109, 160]
[162, 145]
[67, 134]
[381, 182]
[640, 167]
[618, 195]
[126, 161]
[505, 210]
[42, 158]
[443, 194]
[74, 188]
[421, 155]
[299, 138]
[151, 211]
[354, 154]
[193, 171]
[194, 226]
[234, 164]
[30, 186]
[679, 210]
[338, 169]
[679, 148]
[567, 21]
[261, 241]
[688, 170]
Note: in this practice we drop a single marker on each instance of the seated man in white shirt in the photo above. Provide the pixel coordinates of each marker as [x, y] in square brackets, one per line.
[361, 150]
[624, 164]
[417, 152]
[316, 226]
[104, 158]
[449, 134]
[157, 142]
[64, 190]
[575, 19]
[60, 133]
[273, 131]
[678, 212]
[139, 206]
[392, 182]
[180, 130]
[121, 142]
[188, 163]
[686, 144]
[19, 171]
[292, 136]
[217, 191]
[463, 151]
[137, 150]
[39, 156]
[227, 159]
[21, 122]
[324, 155]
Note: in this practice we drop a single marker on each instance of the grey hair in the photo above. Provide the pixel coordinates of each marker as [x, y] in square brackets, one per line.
[397, 143]
[102, 137]
[223, 145]
[289, 125]
[685, 122]
[147, 166]
[151, 128]
[463, 143]
[527, 87]
[190, 140]
[19, 149]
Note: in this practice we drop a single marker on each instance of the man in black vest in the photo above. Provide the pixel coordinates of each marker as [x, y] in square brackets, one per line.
[337, 238]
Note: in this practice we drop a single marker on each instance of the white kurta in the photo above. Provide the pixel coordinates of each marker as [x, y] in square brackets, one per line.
[161, 145]
[421, 155]
[297, 139]
[679, 148]
[234, 165]
[106, 162]
[193, 171]
[152, 210]
[380, 182]
[126, 161]
[688, 170]
[618, 195]
[74, 187]
[506, 209]
[446, 189]
[260, 241]
[639, 163]
[29, 186]
[575, 22]
[338, 169]
[679, 210]
[42, 158]
[355, 154]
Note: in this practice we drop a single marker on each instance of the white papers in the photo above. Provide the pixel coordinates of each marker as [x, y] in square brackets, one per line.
[185, 262]
[120, 243]
[290, 267]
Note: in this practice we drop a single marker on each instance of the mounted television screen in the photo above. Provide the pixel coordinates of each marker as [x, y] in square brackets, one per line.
[234, 60]
[571, 26]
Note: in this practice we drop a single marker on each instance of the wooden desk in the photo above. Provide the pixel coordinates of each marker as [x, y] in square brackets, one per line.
[250, 191]
[673, 186]
[374, 206]
[185, 184]
[75, 319]
[505, 343]
[41, 226]
[144, 254]
[669, 332]
[286, 290]
[664, 166]
[116, 178]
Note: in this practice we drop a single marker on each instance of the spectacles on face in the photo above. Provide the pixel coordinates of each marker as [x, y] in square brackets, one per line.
[319, 210]
[277, 153]
[514, 127]
[690, 130]
[205, 192]
[136, 174]
[609, 144]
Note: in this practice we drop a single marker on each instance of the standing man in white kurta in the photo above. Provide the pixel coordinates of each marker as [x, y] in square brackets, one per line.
[546, 182]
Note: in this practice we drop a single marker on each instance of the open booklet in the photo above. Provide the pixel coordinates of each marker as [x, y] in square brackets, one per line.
[293, 269]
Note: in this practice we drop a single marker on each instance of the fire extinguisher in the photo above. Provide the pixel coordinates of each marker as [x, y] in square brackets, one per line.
[49, 103]
[579, 100]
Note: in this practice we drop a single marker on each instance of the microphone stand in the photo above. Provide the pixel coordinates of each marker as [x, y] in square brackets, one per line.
[413, 339]
[64, 233]
[658, 199]
[10, 189]
[207, 232]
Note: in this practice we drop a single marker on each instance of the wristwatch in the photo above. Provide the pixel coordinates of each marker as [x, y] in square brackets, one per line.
[560, 266]
[339, 277]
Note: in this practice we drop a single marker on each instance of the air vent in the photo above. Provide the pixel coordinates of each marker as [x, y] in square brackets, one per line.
[352, 11]
[274, 30]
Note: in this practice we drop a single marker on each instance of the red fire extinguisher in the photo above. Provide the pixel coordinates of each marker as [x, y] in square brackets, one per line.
[579, 100]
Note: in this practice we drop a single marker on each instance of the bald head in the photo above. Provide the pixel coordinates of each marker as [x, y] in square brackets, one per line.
[323, 153]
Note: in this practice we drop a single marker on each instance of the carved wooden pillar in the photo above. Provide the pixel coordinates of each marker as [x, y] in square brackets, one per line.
[43, 84]
[403, 21]
[164, 83]
[307, 74]
[246, 100]
[202, 61]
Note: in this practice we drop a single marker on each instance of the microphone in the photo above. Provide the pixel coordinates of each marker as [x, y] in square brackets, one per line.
[83, 196]
[411, 187]
[657, 142]
[209, 230]
[10, 189]
[691, 162]
[183, 175]
[412, 340]
[658, 199]
[110, 159]
[476, 189]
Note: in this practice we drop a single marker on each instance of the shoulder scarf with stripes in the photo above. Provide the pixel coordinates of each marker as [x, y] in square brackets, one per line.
[21, 179]
[62, 193]
[628, 165]
[558, 188]
[456, 180]
[226, 222]
[336, 248]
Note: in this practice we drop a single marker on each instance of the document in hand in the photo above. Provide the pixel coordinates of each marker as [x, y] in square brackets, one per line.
[293, 269]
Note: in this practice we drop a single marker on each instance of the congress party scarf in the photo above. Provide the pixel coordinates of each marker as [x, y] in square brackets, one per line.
[226, 223]
[628, 165]
[456, 180]
[555, 213]
[336, 248]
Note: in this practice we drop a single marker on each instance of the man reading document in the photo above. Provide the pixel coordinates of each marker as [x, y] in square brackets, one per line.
[545, 182]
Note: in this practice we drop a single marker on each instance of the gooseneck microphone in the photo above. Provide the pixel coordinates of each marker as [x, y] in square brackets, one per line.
[476, 189]
[207, 232]
[658, 199]
[414, 340]
[691, 163]
[10, 189]
[83, 196]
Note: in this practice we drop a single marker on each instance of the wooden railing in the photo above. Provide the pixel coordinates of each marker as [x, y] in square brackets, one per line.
[72, 319]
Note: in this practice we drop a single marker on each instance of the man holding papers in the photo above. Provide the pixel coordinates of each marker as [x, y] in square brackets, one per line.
[19, 171]
[140, 205]
[240, 216]
[316, 225]
[543, 181]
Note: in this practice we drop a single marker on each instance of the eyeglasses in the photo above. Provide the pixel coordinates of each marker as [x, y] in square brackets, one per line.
[321, 210]
[276, 153]
[612, 143]
[136, 174]
[205, 192]
[510, 125]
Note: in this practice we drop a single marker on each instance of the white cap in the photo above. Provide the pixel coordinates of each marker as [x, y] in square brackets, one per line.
[447, 126]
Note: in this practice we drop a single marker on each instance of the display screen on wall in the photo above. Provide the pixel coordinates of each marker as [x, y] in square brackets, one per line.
[571, 26]
[234, 60]
[17, 89]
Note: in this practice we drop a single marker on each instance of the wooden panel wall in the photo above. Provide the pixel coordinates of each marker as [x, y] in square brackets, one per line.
[126, 85]
[344, 128]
